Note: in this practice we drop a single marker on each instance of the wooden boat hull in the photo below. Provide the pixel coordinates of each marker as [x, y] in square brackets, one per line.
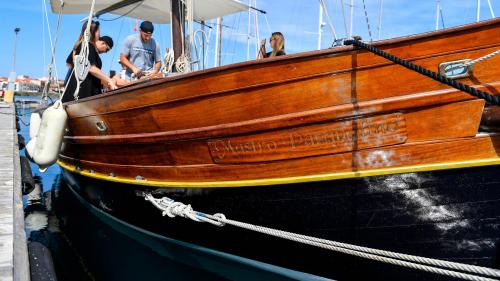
[450, 214]
[338, 144]
[289, 119]
[125, 252]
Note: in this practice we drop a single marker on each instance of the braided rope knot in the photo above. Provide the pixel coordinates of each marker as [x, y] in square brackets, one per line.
[172, 209]
[181, 210]
[220, 219]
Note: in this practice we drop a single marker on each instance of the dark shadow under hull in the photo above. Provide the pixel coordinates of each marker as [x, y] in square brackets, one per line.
[452, 215]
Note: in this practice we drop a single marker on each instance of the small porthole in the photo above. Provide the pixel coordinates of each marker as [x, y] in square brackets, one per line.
[101, 126]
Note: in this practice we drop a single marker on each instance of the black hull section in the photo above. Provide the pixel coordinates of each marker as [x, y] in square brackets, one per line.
[452, 215]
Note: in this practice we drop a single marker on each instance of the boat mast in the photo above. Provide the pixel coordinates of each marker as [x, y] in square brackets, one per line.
[218, 42]
[219, 52]
[380, 18]
[320, 26]
[351, 19]
[177, 9]
[491, 9]
[256, 29]
[438, 7]
[478, 10]
[203, 44]
[248, 28]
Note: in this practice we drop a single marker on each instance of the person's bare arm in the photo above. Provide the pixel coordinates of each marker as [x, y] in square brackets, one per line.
[95, 71]
[124, 61]
[262, 50]
[156, 67]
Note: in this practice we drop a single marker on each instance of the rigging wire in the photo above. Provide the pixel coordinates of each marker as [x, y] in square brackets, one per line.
[205, 62]
[267, 24]
[367, 22]
[345, 18]
[53, 48]
[50, 40]
[379, 28]
[442, 18]
[116, 49]
[328, 20]
[44, 55]
[81, 64]
[235, 42]
[257, 31]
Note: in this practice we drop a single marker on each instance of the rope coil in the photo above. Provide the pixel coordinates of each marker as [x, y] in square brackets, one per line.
[183, 65]
[81, 63]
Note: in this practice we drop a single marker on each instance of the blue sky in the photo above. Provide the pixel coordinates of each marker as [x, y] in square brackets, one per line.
[297, 19]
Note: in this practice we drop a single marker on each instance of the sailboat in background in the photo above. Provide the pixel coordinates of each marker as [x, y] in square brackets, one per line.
[338, 144]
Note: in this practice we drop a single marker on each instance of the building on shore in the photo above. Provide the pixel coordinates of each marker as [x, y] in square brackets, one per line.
[28, 84]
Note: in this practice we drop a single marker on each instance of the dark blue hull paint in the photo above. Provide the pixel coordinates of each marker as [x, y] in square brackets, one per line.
[452, 215]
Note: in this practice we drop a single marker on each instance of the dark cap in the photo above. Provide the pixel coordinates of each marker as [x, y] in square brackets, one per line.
[147, 27]
[108, 41]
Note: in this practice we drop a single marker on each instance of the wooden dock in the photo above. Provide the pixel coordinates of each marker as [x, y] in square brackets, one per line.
[13, 249]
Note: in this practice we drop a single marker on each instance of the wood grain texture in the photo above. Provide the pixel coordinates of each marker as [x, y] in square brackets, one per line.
[430, 123]
[312, 140]
[419, 153]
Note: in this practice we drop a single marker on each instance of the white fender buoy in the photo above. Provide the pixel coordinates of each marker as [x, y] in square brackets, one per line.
[50, 135]
[34, 124]
[30, 150]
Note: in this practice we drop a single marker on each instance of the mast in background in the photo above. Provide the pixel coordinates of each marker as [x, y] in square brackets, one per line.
[438, 8]
[218, 43]
[256, 29]
[252, 13]
[380, 18]
[491, 9]
[351, 19]
[478, 14]
[248, 28]
[177, 29]
[320, 26]
[203, 43]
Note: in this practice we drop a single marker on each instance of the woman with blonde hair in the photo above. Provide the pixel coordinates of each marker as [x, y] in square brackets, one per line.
[277, 42]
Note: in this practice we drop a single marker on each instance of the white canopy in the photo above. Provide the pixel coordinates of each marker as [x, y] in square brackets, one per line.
[157, 11]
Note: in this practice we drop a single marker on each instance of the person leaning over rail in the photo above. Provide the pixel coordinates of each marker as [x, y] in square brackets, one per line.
[277, 42]
[95, 32]
[92, 85]
[140, 57]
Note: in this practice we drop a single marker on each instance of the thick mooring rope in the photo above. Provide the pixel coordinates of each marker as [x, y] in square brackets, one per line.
[172, 208]
[492, 99]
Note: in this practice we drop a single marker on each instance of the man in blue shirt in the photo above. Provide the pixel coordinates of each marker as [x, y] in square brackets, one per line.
[141, 53]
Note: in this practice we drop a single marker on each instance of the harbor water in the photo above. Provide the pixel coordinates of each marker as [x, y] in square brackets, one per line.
[82, 246]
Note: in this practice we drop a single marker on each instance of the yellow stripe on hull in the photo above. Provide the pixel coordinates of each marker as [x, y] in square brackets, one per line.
[286, 180]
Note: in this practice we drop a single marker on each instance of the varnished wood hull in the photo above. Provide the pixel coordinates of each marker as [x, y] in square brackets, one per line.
[338, 144]
[451, 215]
[314, 116]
